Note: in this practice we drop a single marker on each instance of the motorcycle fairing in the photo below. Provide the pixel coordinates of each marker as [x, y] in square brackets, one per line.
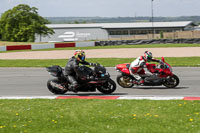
[152, 82]
[124, 68]
[55, 70]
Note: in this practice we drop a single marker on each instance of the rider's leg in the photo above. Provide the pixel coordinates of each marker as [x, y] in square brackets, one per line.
[135, 72]
[73, 82]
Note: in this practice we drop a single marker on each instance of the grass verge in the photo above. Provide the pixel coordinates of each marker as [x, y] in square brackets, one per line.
[99, 116]
[5, 43]
[108, 62]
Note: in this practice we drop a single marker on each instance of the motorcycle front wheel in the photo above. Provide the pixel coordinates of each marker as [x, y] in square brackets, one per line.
[171, 82]
[108, 87]
[55, 86]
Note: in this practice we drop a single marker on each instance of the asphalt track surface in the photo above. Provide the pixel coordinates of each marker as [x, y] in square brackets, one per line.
[32, 82]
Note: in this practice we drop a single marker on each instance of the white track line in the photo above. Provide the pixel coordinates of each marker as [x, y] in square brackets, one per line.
[121, 97]
[29, 97]
[151, 98]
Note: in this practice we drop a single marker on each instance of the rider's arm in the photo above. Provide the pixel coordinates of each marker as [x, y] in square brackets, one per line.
[85, 63]
[155, 60]
[159, 61]
[142, 63]
[76, 68]
[88, 63]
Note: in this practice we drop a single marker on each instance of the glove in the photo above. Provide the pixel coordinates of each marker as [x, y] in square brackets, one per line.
[160, 61]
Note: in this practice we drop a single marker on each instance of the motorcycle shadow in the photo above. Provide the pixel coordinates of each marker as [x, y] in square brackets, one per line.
[154, 88]
[92, 94]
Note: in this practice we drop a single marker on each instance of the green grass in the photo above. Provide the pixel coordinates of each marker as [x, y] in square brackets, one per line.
[5, 43]
[116, 46]
[99, 116]
[108, 62]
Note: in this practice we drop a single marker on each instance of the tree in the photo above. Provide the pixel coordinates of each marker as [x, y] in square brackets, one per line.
[22, 23]
[161, 35]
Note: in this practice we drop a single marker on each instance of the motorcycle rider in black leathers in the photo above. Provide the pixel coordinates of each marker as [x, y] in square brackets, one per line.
[72, 68]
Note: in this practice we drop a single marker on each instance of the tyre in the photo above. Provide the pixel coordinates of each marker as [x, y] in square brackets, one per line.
[108, 87]
[125, 81]
[55, 86]
[171, 82]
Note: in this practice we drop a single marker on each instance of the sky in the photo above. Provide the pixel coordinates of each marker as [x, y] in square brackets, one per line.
[108, 8]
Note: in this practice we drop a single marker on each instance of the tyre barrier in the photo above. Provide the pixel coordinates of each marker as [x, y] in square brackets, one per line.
[155, 41]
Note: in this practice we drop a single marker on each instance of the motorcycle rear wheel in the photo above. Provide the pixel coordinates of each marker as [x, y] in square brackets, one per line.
[125, 81]
[171, 82]
[54, 89]
[108, 87]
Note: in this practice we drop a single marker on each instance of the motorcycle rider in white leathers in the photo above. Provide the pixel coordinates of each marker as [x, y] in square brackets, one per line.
[137, 67]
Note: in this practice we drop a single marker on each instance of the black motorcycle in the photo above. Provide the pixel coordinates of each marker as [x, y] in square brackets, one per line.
[90, 80]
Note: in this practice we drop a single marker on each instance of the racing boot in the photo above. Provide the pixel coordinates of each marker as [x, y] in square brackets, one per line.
[140, 82]
[73, 87]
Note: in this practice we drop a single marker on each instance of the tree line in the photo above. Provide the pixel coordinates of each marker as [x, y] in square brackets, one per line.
[22, 23]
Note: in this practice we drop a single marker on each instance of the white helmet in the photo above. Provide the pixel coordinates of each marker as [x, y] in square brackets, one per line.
[148, 56]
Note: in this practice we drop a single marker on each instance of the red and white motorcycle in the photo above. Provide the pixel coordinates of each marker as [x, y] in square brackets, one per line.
[162, 74]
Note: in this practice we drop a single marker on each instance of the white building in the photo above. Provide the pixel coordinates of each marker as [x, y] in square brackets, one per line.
[105, 31]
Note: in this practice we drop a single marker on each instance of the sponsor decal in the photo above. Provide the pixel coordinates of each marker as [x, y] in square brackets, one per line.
[74, 36]
[79, 34]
